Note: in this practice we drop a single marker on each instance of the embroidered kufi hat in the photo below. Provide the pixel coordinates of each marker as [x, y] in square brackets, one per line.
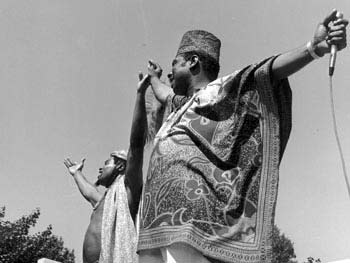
[200, 40]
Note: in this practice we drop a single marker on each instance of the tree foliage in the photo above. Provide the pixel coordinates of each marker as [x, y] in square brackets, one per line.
[282, 247]
[18, 246]
[312, 260]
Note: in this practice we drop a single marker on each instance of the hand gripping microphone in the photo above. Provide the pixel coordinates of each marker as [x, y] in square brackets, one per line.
[333, 54]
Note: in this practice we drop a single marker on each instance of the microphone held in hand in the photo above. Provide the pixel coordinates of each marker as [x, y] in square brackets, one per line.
[333, 54]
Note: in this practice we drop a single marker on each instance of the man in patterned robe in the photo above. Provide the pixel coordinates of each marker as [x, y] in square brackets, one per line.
[211, 187]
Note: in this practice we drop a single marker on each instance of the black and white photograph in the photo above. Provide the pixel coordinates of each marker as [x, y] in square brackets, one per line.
[136, 131]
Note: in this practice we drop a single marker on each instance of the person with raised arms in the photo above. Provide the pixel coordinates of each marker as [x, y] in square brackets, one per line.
[211, 188]
[111, 235]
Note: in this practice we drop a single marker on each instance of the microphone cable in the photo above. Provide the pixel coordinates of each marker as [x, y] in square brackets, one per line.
[335, 129]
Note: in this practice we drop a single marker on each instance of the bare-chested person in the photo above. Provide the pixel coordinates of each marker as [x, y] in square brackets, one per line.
[104, 240]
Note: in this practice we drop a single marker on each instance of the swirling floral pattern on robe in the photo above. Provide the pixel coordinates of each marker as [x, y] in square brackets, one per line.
[213, 174]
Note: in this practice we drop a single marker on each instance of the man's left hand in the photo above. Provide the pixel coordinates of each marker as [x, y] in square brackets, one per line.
[332, 31]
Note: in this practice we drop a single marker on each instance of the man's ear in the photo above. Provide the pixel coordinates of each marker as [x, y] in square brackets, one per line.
[123, 168]
[194, 61]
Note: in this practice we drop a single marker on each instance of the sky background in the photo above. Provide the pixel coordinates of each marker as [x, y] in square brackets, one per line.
[68, 75]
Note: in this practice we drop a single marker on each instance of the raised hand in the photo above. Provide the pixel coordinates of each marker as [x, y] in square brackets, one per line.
[154, 69]
[331, 31]
[143, 82]
[74, 167]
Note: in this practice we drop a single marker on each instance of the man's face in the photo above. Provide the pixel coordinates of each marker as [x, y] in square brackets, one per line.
[180, 75]
[111, 169]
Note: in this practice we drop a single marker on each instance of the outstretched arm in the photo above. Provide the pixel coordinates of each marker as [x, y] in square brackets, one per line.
[133, 174]
[332, 31]
[161, 91]
[87, 189]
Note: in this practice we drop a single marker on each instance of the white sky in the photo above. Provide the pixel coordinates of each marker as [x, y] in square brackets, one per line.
[68, 74]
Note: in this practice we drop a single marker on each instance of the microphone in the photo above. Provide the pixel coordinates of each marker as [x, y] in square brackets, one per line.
[333, 54]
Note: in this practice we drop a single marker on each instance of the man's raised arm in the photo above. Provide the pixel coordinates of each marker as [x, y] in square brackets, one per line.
[161, 91]
[87, 189]
[133, 173]
[331, 31]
